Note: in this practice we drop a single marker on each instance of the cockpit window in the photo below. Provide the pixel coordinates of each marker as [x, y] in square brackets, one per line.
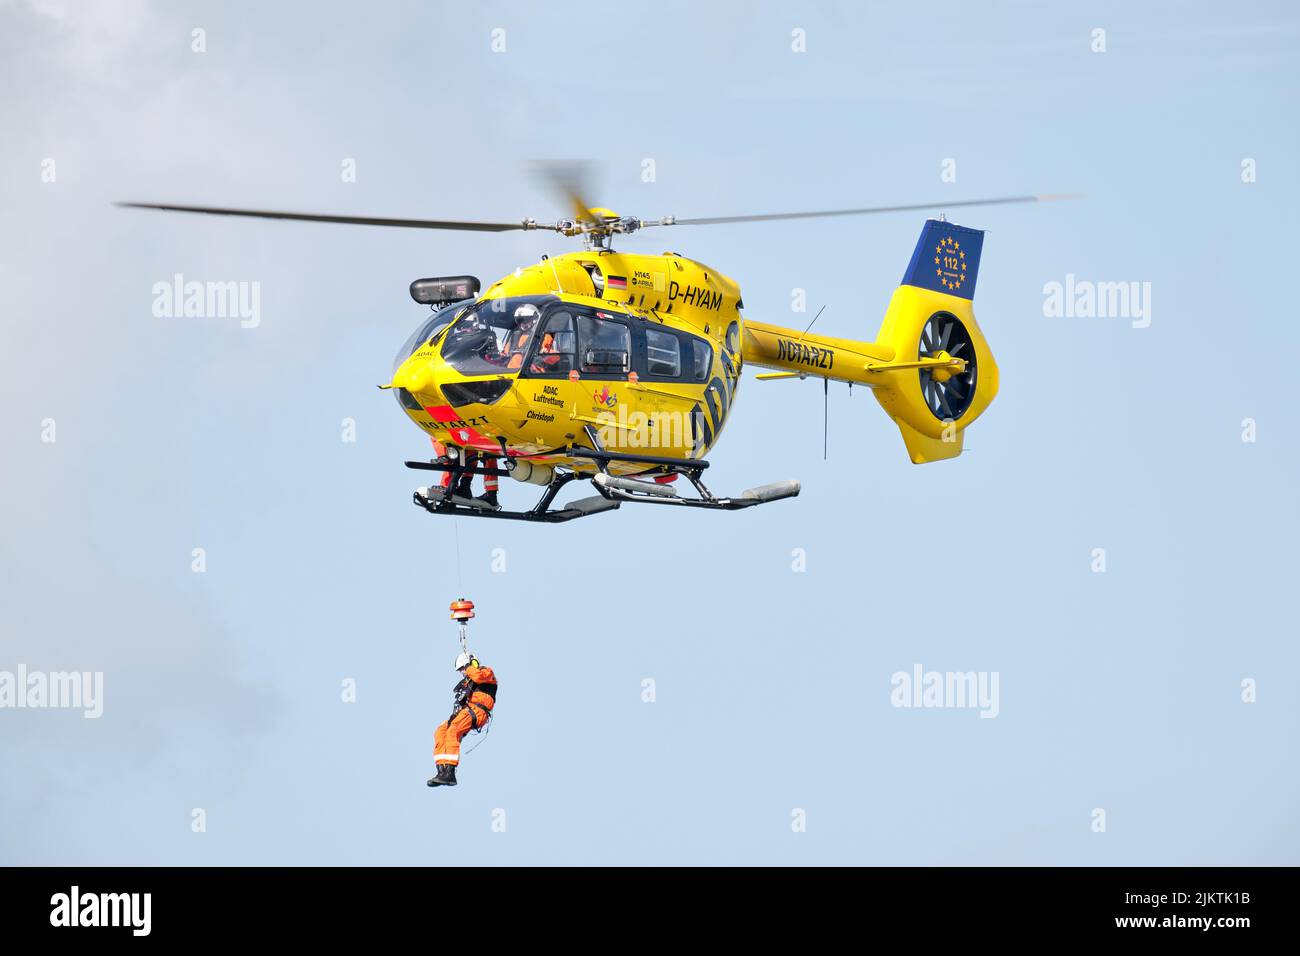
[427, 331]
[557, 346]
[492, 337]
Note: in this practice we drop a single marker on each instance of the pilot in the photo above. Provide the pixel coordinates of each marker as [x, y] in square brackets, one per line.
[476, 695]
[517, 344]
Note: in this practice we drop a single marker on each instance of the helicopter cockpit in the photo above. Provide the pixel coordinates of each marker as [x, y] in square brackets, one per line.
[494, 336]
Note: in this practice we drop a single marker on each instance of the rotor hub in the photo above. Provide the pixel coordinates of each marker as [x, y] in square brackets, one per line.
[941, 373]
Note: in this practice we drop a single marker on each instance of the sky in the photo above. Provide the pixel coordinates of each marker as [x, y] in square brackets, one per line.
[1116, 545]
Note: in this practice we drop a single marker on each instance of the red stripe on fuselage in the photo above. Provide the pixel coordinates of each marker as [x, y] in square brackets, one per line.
[461, 434]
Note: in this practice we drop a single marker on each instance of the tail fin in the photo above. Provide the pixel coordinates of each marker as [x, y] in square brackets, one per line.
[929, 325]
[946, 259]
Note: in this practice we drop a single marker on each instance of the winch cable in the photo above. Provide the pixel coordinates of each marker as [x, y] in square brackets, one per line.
[460, 584]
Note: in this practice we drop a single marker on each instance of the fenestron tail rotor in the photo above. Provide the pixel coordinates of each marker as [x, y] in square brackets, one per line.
[948, 392]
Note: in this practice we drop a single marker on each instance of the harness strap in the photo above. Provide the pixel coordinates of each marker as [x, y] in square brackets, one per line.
[473, 720]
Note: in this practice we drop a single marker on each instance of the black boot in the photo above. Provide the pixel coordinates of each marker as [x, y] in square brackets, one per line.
[446, 776]
[490, 499]
[465, 487]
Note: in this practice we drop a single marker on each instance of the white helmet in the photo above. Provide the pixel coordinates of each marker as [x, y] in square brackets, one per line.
[463, 660]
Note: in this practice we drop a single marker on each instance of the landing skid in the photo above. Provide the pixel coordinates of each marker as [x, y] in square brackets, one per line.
[631, 489]
[613, 490]
[619, 489]
[438, 502]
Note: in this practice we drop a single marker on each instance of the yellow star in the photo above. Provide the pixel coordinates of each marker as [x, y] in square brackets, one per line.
[963, 267]
[963, 255]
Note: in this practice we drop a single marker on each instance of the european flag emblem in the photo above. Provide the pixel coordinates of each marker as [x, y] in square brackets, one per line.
[947, 259]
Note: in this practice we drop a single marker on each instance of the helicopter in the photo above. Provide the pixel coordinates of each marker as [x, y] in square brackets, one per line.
[622, 368]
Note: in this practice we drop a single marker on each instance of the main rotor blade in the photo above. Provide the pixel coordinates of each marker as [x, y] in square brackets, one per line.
[572, 180]
[457, 224]
[770, 217]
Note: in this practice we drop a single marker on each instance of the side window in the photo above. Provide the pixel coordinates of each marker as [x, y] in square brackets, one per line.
[703, 359]
[604, 346]
[556, 347]
[663, 353]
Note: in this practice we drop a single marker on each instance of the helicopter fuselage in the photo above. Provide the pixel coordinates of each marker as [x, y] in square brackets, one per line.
[644, 349]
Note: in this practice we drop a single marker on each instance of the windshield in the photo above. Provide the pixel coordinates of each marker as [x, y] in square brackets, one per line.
[427, 330]
[493, 336]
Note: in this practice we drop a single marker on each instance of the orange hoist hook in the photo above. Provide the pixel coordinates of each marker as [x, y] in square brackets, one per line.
[462, 610]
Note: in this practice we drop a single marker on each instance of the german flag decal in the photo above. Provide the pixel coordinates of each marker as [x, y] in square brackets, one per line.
[616, 282]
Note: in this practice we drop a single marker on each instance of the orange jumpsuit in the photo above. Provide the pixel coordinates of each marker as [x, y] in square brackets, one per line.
[475, 712]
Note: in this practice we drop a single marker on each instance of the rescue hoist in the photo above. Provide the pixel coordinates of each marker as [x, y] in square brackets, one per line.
[462, 609]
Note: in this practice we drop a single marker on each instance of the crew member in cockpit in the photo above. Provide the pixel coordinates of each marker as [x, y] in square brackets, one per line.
[520, 337]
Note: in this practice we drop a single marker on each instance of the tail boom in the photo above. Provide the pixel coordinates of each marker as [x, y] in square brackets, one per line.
[930, 367]
[820, 356]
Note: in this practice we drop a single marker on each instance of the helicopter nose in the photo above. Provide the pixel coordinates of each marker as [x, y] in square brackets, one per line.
[415, 380]
[418, 377]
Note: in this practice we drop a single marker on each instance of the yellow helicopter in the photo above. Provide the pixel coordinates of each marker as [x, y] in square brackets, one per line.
[622, 368]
